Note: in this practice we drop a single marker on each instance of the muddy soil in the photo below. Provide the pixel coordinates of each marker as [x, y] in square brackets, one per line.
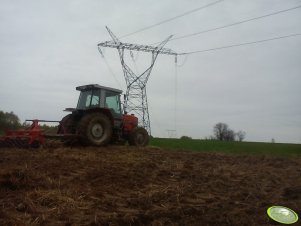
[128, 186]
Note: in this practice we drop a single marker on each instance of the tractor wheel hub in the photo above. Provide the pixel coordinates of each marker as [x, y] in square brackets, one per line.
[97, 130]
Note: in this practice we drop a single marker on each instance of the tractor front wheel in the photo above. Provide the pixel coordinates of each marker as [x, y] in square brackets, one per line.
[139, 137]
[95, 129]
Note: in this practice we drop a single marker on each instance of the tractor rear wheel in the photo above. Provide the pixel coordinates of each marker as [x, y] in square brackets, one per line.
[95, 129]
[139, 137]
[66, 125]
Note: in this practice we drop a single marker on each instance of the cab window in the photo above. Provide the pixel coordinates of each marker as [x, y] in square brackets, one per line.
[112, 102]
[88, 98]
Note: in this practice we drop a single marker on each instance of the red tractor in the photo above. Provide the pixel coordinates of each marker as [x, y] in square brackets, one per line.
[99, 119]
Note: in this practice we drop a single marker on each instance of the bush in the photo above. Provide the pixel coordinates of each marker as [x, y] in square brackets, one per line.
[185, 138]
[9, 121]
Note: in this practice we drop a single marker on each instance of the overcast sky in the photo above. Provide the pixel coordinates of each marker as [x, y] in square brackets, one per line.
[47, 48]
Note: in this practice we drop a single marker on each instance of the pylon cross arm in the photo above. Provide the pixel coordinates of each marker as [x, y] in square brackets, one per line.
[144, 48]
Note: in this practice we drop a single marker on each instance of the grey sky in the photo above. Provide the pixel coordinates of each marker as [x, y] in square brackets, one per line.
[50, 47]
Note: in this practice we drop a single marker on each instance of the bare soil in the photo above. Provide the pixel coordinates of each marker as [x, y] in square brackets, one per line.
[129, 186]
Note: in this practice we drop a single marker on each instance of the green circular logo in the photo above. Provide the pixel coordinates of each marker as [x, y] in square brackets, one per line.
[282, 214]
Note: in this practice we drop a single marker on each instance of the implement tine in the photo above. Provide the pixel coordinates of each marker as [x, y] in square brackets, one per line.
[21, 143]
[2, 143]
[14, 143]
[9, 143]
[18, 143]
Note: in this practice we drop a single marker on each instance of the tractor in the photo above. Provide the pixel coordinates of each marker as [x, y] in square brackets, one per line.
[99, 119]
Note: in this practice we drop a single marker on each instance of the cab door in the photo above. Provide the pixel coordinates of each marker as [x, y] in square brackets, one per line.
[112, 102]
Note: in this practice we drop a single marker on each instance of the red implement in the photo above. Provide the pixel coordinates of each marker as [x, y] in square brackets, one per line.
[29, 137]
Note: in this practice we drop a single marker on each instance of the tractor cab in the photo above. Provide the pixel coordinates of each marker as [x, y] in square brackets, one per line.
[96, 96]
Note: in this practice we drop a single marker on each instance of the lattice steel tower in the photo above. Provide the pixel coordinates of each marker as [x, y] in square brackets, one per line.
[136, 99]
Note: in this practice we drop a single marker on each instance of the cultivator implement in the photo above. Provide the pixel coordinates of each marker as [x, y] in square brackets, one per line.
[32, 137]
[29, 137]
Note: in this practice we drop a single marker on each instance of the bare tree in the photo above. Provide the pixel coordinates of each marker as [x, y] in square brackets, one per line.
[241, 135]
[230, 135]
[223, 132]
[220, 130]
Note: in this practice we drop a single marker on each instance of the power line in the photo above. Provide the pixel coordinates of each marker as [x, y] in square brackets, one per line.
[241, 44]
[172, 18]
[236, 23]
[110, 69]
[233, 24]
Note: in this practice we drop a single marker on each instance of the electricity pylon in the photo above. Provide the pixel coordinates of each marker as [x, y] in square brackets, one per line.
[136, 99]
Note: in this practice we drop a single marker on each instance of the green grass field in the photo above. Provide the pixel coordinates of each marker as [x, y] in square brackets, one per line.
[277, 149]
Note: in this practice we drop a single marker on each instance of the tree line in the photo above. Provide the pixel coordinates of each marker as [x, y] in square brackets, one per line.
[10, 121]
[222, 132]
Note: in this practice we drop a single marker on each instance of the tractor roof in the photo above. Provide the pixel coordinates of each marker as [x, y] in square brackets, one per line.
[96, 86]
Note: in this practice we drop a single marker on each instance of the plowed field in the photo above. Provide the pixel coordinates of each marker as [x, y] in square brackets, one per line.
[149, 186]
